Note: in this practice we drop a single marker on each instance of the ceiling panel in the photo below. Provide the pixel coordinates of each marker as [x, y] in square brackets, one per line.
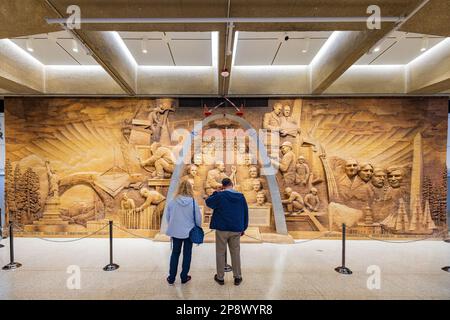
[260, 48]
[56, 49]
[81, 56]
[290, 52]
[405, 51]
[47, 52]
[187, 48]
[255, 52]
[191, 52]
[158, 53]
[399, 48]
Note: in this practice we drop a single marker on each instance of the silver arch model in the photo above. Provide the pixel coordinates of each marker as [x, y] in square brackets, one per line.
[280, 221]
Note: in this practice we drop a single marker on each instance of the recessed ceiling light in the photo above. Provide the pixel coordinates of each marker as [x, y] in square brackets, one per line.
[376, 49]
[74, 45]
[144, 45]
[29, 45]
[305, 46]
[424, 46]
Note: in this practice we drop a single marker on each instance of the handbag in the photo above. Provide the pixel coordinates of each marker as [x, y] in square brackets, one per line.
[196, 234]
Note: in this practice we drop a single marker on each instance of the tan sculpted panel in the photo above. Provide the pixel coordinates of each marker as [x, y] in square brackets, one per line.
[377, 165]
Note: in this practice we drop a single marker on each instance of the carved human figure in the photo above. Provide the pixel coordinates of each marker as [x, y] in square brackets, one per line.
[127, 203]
[162, 159]
[302, 171]
[312, 201]
[153, 197]
[272, 120]
[256, 188]
[243, 169]
[261, 200]
[394, 192]
[289, 127]
[353, 191]
[287, 163]
[158, 118]
[378, 188]
[366, 172]
[215, 177]
[395, 177]
[253, 175]
[379, 178]
[194, 178]
[53, 181]
[294, 201]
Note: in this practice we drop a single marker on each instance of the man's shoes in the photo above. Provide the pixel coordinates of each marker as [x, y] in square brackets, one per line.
[187, 280]
[237, 281]
[221, 282]
[170, 282]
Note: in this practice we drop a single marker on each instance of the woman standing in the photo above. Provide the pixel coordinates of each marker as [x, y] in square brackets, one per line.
[180, 221]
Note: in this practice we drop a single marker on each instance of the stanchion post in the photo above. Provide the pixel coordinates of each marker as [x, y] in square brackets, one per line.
[1, 229]
[12, 265]
[343, 269]
[111, 266]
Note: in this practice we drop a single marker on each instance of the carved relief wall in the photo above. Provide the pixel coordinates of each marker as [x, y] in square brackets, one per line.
[377, 165]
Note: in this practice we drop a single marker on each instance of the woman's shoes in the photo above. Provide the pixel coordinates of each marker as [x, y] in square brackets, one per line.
[170, 282]
[187, 280]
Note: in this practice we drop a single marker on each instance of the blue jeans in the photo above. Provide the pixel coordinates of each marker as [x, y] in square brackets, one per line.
[187, 254]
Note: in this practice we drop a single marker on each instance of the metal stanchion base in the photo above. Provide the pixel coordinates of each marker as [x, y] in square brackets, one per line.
[447, 269]
[228, 268]
[12, 266]
[111, 267]
[343, 270]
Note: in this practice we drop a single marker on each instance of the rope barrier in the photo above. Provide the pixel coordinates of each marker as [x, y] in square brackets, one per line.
[62, 241]
[402, 241]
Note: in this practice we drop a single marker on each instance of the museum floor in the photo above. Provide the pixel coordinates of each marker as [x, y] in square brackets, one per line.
[299, 271]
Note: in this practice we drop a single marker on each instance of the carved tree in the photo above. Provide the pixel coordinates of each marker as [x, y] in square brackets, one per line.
[443, 198]
[30, 182]
[10, 198]
[19, 195]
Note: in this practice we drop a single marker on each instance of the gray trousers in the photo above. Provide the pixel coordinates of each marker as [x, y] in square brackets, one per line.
[233, 239]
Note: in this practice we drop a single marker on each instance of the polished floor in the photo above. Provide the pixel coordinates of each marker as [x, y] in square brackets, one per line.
[270, 271]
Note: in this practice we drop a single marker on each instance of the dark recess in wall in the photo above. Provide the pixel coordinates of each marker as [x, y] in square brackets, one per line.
[2, 106]
[212, 102]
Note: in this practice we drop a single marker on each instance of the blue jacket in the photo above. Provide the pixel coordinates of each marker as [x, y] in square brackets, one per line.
[180, 217]
[230, 211]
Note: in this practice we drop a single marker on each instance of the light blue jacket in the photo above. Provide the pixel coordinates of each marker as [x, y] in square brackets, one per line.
[180, 217]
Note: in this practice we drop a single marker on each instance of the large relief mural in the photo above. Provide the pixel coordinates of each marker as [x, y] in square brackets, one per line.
[377, 165]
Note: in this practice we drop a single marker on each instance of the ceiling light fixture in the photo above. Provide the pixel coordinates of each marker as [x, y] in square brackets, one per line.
[306, 46]
[75, 46]
[377, 49]
[29, 45]
[144, 47]
[425, 43]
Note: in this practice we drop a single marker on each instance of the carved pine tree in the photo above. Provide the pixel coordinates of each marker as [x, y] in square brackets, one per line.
[443, 198]
[427, 188]
[9, 192]
[19, 195]
[30, 181]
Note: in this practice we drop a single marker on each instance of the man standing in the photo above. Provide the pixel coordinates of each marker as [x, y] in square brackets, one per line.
[230, 220]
